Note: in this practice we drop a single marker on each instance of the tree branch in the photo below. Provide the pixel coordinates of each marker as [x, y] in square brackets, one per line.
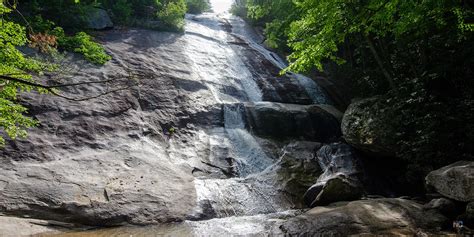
[51, 89]
[26, 82]
[89, 97]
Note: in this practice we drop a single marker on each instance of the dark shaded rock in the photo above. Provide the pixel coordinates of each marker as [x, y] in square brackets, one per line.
[341, 178]
[469, 215]
[313, 122]
[336, 189]
[377, 216]
[470, 210]
[296, 170]
[455, 181]
[445, 206]
[98, 19]
[363, 129]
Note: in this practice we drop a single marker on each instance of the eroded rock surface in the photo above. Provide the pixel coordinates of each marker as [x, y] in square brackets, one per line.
[341, 179]
[363, 129]
[455, 181]
[377, 216]
[311, 122]
[112, 160]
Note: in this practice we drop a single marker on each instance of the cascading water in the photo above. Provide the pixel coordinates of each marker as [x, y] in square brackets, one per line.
[243, 198]
[249, 156]
[243, 31]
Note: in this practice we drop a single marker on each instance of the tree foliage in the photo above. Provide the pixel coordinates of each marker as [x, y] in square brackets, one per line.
[417, 56]
[197, 6]
[12, 62]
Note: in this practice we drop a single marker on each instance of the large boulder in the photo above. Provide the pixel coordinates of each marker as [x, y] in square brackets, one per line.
[363, 128]
[339, 188]
[340, 180]
[445, 206]
[293, 173]
[376, 216]
[98, 19]
[455, 181]
[311, 122]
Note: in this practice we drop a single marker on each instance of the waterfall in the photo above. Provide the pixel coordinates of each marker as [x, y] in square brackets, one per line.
[249, 156]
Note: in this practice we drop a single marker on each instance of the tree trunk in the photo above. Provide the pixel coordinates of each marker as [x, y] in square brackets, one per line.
[379, 62]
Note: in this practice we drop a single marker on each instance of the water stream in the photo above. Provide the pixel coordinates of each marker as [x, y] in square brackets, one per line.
[243, 203]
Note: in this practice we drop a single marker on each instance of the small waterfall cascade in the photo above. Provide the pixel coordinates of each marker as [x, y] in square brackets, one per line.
[337, 160]
[248, 154]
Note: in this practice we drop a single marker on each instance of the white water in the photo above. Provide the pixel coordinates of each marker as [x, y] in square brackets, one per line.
[243, 31]
[240, 205]
[221, 6]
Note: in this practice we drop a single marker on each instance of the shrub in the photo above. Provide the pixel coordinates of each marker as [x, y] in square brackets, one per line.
[122, 10]
[197, 6]
[82, 43]
[172, 14]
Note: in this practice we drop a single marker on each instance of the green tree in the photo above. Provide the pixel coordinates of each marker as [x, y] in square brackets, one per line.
[197, 6]
[12, 63]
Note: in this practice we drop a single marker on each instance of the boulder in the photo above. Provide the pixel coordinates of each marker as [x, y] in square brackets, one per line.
[311, 122]
[364, 129]
[294, 172]
[445, 206]
[98, 19]
[339, 188]
[340, 180]
[455, 181]
[377, 216]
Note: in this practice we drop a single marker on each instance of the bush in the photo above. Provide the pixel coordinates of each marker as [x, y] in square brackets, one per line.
[122, 10]
[197, 6]
[172, 14]
[82, 43]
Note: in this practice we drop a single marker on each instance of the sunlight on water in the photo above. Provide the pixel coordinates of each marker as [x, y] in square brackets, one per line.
[221, 6]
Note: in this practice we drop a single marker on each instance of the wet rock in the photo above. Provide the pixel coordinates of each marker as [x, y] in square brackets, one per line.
[98, 19]
[341, 178]
[107, 161]
[336, 189]
[455, 181]
[363, 129]
[13, 227]
[295, 171]
[313, 122]
[377, 216]
[111, 160]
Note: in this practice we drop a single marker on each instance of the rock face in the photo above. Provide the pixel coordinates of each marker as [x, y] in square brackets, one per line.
[131, 184]
[111, 160]
[336, 189]
[294, 172]
[311, 122]
[362, 129]
[98, 19]
[377, 216]
[455, 181]
[341, 178]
